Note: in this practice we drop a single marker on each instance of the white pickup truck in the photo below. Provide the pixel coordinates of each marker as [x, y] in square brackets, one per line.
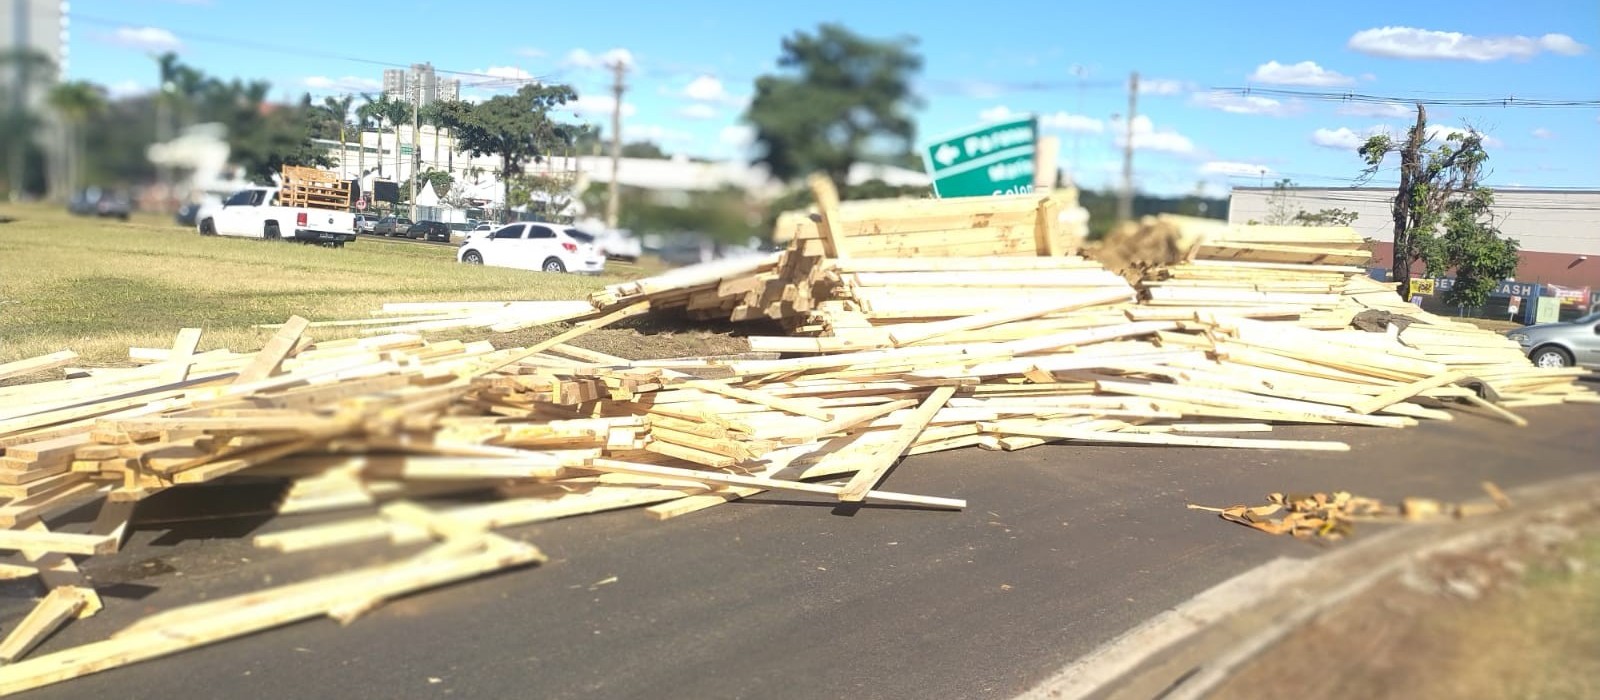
[254, 212]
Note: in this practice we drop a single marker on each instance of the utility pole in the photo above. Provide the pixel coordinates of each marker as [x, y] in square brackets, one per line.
[1125, 202]
[416, 108]
[618, 68]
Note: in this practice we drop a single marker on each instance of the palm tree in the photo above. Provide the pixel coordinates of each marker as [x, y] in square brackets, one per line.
[431, 115]
[76, 102]
[364, 114]
[338, 109]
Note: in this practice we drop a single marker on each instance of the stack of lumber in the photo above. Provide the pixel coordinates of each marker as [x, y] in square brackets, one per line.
[1205, 339]
[301, 186]
[795, 286]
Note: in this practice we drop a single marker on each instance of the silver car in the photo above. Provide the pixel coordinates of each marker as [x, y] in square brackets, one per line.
[1574, 343]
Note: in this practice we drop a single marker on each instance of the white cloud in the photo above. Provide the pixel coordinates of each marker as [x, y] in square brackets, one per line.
[1146, 137]
[1306, 73]
[698, 111]
[1072, 123]
[1234, 103]
[706, 88]
[654, 132]
[582, 58]
[997, 113]
[1380, 110]
[1347, 139]
[1234, 169]
[126, 88]
[1163, 86]
[1343, 138]
[146, 38]
[506, 73]
[531, 52]
[348, 83]
[1543, 133]
[1413, 43]
[595, 105]
[1058, 121]
[737, 136]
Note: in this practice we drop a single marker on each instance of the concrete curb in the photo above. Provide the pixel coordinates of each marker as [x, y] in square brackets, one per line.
[1188, 651]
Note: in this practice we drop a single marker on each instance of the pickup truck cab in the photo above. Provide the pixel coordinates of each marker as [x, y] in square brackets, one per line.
[254, 212]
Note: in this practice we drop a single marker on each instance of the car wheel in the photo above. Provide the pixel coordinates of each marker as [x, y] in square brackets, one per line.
[1551, 358]
[208, 228]
[271, 232]
[553, 265]
[472, 257]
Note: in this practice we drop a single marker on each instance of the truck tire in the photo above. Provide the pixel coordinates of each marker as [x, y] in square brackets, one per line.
[208, 227]
[553, 265]
[271, 232]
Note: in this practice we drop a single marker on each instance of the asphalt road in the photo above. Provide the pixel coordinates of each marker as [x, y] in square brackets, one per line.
[1061, 549]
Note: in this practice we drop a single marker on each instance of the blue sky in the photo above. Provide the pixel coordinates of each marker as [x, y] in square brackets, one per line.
[694, 62]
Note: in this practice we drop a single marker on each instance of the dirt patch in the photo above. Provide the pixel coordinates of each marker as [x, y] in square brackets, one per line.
[1516, 619]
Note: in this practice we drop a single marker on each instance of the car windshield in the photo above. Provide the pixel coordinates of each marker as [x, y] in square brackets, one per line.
[580, 236]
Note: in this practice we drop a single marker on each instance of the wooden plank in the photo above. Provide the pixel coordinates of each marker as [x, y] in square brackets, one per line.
[829, 222]
[254, 612]
[926, 331]
[59, 542]
[180, 359]
[59, 605]
[721, 479]
[37, 364]
[1401, 393]
[572, 333]
[798, 407]
[271, 356]
[873, 470]
[1045, 431]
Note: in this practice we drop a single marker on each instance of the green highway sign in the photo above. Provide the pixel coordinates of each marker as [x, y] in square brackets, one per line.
[405, 149]
[988, 160]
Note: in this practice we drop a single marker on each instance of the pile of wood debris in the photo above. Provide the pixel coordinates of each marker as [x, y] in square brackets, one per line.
[1324, 516]
[918, 327]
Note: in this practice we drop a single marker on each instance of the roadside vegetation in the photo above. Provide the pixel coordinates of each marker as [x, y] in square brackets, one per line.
[98, 287]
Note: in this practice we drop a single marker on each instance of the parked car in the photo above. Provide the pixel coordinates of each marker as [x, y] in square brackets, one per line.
[94, 201]
[430, 230]
[533, 246]
[1574, 343]
[365, 223]
[483, 226]
[188, 215]
[392, 226]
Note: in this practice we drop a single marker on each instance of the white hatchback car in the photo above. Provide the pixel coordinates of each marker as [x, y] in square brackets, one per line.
[533, 246]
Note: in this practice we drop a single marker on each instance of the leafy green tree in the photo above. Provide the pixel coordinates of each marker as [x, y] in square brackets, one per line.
[77, 102]
[1472, 244]
[644, 149]
[846, 97]
[515, 127]
[1432, 178]
[440, 179]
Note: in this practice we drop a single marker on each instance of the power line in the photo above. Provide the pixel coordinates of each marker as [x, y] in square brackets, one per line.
[1507, 101]
[253, 45]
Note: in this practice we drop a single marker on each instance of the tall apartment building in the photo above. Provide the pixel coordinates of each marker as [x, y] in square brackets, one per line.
[40, 27]
[420, 85]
